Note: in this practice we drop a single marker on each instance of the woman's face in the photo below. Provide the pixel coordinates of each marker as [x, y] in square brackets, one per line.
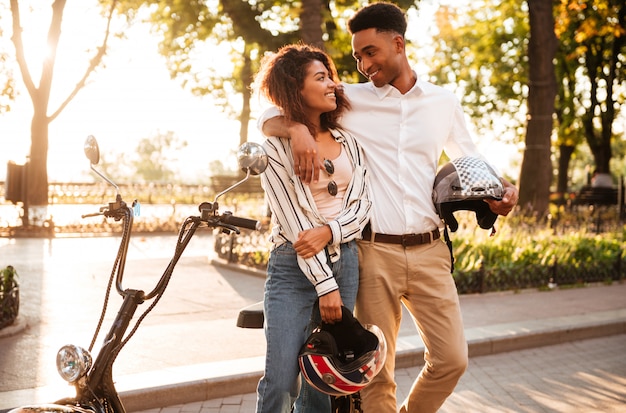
[318, 90]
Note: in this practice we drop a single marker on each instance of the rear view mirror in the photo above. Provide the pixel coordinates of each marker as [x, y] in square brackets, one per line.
[252, 158]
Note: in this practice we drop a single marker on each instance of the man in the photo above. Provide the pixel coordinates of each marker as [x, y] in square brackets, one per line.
[403, 125]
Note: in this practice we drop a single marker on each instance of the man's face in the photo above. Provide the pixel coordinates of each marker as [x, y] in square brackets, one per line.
[376, 55]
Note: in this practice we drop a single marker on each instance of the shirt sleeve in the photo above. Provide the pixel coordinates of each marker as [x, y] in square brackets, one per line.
[269, 113]
[460, 142]
[293, 212]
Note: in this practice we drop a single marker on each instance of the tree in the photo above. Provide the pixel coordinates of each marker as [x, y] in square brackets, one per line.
[251, 29]
[190, 31]
[483, 50]
[536, 172]
[7, 80]
[495, 51]
[154, 155]
[592, 35]
[37, 189]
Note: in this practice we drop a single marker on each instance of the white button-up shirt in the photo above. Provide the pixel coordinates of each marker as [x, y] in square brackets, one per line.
[403, 137]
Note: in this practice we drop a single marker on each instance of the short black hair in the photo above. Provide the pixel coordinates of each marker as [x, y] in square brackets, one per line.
[383, 16]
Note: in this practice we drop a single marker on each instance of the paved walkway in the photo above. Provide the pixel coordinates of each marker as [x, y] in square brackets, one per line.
[587, 376]
[188, 350]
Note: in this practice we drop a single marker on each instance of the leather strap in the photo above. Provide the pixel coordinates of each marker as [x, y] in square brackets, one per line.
[406, 240]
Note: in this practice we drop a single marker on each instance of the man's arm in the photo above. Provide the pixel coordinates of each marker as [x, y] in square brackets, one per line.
[306, 162]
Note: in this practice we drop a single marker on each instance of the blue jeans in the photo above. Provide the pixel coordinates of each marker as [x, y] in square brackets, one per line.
[291, 313]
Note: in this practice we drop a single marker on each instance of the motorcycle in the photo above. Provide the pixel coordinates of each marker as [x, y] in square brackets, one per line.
[93, 378]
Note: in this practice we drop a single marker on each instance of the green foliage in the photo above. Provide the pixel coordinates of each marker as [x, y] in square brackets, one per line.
[7, 80]
[9, 296]
[524, 253]
[591, 66]
[154, 153]
[481, 48]
[191, 30]
[8, 278]
[150, 163]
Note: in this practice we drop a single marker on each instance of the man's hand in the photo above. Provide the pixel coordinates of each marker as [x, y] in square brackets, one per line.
[312, 241]
[330, 307]
[306, 162]
[509, 199]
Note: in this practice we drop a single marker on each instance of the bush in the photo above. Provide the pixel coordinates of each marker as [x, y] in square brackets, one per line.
[523, 253]
[9, 296]
[531, 256]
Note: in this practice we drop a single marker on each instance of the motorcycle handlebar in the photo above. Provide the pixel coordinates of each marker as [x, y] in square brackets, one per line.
[240, 222]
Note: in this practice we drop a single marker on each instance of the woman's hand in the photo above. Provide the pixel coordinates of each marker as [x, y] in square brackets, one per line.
[330, 307]
[312, 241]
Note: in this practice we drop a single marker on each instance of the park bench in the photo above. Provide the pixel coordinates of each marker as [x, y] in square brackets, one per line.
[590, 195]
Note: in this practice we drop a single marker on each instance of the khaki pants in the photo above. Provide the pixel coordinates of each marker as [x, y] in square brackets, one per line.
[418, 277]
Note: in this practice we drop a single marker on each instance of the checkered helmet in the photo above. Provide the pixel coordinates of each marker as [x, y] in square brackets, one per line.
[342, 358]
[463, 184]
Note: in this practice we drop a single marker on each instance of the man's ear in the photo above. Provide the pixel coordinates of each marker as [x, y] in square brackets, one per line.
[398, 42]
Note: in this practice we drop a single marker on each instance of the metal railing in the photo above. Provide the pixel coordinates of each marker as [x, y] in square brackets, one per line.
[149, 193]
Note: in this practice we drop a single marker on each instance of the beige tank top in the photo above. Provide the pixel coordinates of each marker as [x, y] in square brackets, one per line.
[329, 206]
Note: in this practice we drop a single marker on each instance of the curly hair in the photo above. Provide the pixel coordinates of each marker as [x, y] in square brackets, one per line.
[281, 79]
[383, 16]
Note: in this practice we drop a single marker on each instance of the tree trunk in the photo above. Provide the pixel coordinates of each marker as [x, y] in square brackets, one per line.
[246, 77]
[311, 23]
[565, 155]
[536, 173]
[37, 175]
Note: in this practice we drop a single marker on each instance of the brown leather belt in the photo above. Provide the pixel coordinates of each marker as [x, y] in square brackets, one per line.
[406, 240]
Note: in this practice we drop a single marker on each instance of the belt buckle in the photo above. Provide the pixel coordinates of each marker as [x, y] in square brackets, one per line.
[409, 240]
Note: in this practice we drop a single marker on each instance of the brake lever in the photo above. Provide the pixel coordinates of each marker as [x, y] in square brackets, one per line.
[228, 228]
[93, 214]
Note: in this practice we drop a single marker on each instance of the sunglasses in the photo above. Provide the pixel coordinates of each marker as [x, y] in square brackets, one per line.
[330, 170]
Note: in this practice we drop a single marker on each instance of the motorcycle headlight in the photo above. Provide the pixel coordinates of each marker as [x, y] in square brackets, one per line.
[73, 362]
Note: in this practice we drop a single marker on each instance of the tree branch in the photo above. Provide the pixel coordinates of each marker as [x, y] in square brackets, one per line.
[47, 66]
[93, 64]
[16, 38]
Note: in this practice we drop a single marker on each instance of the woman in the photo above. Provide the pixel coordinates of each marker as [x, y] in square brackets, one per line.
[313, 265]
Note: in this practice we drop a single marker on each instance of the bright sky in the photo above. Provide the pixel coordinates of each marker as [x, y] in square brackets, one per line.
[131, 98]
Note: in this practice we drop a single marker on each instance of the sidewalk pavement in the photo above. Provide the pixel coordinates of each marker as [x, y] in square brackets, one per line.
[587, 376]
[189, 354]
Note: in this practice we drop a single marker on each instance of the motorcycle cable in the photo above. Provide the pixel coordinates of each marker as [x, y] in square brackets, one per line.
[127, 221]
[185, 235]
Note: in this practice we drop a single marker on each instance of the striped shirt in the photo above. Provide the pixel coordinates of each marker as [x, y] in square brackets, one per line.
[293, 207]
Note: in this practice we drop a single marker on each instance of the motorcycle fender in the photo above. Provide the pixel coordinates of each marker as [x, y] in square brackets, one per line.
[50, 408]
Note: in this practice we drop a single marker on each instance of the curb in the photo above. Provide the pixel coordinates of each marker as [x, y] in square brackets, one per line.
[222, 263]
[215, 380]
[19, 324]
[410, 354]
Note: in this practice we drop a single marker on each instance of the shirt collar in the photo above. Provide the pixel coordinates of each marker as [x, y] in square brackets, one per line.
[388, 90]
[337, 135]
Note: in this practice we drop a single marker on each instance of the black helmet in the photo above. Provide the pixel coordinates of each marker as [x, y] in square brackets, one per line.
[463, 184]
[342, 358]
